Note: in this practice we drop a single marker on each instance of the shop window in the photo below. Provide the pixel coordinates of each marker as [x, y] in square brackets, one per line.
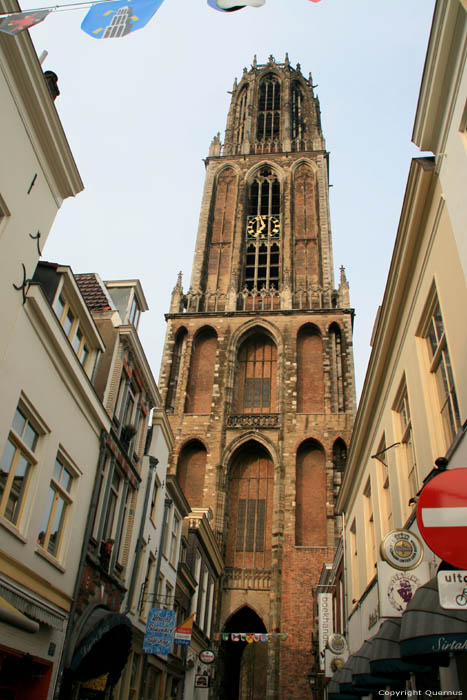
[17, 463]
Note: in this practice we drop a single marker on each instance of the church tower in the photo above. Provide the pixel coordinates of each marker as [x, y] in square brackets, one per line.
[257, 376]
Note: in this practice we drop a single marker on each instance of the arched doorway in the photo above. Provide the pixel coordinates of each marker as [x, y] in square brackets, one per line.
[243, 665]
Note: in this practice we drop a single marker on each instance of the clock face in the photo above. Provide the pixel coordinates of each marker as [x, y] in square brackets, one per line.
[263, 226]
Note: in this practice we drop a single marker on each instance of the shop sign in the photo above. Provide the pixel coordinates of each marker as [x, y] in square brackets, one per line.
[202, 681]
[402, 549]
[159, 631]
[452, 587]
[333, 662]
[337, 643]
[396, 588]
[324, 623]
[207, 656]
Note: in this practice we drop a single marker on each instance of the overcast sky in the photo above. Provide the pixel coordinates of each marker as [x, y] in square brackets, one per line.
[140, 113]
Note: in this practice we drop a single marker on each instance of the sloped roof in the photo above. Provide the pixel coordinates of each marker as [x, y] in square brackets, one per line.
[94, 292]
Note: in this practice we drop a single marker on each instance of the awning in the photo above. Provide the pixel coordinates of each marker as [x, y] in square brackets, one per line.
[334, 692]
[345, 679]
[386, 655]
[12, 616]
[429, 633]
[31, 606]
[362, 677]
[103, 646]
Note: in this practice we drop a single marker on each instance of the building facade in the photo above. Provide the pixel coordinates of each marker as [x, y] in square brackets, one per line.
[411, 420]
[257, 373]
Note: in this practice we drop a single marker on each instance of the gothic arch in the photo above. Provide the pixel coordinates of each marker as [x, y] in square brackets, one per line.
[310, 380]
[191, 471]
[337, 352]
[251, 436]
[180, 337]
[201, 374]
[226, 166]
[275, 167]
[249, 507]
[304, 161]
[310, 495]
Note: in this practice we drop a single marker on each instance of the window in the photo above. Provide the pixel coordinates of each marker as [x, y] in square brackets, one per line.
[256, 375]
[262, 262]
[174, 539]
[442, 371]
[298, 121]
[134, 313]
[269, 104]
[114, 492]
[407, 446]
[134, 675]
[154, 503]
[369, 531]
[241, 118]
[251, 525]
[169, 597]
[354, 559]
[16, 465]
[147, 586]
[58, 502]
[70, 324]
[175, 370]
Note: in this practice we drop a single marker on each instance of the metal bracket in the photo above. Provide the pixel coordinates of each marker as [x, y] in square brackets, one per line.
[24, 286]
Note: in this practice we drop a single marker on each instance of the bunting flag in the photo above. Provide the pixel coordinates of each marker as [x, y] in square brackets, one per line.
[117, 18]
[184, 630]
[250, 637]
[234, 5]
[14, 24]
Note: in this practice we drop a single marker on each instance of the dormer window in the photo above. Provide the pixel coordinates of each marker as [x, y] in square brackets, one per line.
[134, 313]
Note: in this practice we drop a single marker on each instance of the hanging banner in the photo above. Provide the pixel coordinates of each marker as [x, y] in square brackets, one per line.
[184, 631]
[14, 24]
[324, 623]
[117, 18]
[159, 635]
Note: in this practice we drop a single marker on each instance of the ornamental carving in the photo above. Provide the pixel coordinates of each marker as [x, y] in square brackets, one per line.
[253, 420]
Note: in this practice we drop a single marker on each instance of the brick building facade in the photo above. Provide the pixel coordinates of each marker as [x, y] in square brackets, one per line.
[257, 373]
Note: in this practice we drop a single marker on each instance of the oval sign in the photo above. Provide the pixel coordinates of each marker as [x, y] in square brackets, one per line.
[207, 656]
[402, 549]
[337, 643]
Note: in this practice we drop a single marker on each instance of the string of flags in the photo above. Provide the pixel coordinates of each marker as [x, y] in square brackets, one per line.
[110, 19]
[249, 637]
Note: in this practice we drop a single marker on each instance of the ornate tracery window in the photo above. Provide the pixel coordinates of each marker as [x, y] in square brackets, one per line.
[298, 126]
[256, 375]
[240, 118]
[263, 231]
[269, 105]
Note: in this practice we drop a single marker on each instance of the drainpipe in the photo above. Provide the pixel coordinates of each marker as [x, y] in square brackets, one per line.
[104, 436]
[153, 462]
[346, 586]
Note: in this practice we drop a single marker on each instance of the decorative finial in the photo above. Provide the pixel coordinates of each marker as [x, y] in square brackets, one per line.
[287, 62]
[299, 68]
[245, 70]
[271, 59]
[235, 85]
[343, 277]
[179, 280]
[255, 62]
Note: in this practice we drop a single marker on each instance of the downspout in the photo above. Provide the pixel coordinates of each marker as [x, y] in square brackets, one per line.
[84, 550]
[153, 462]
[346, 587]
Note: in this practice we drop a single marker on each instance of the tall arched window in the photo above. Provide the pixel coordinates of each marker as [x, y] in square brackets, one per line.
[269, 105]
[256, 375]
[310, 384]
[250, 508]
[337, 369]
[263, 231]
[201, 379]
[310, 509]
[240, 119]
[298, 124]
[191, 470]
[339, 459]
[175, 370]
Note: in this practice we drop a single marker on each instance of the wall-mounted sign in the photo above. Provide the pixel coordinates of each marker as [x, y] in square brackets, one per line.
[402, 549]
[202, 681]
[452, 587]
[324, 623]
[207, 656]
[396, 588]
[333, 663]
[337, 643]
[442, 516]
[159, 631]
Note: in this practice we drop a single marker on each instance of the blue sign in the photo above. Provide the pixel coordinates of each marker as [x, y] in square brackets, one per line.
[160, 631]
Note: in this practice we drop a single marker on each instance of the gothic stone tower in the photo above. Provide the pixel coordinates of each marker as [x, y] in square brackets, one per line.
[257, 374]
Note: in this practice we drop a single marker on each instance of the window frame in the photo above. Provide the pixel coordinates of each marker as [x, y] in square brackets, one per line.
[67, 497]
[83, 352]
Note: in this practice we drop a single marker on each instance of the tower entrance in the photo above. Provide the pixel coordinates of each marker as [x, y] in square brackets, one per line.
[243, 664]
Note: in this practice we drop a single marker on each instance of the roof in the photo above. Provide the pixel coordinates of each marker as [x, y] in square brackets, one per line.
[94, 292]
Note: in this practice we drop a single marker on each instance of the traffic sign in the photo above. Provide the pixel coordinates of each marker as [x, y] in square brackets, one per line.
[442, 516]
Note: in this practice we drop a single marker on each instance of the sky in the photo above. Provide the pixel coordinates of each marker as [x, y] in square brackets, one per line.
[140, 112]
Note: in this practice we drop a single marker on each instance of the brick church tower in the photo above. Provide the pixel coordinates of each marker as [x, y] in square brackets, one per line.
[257, 376]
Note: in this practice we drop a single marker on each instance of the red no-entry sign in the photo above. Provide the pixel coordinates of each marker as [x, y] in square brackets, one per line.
[442, 516]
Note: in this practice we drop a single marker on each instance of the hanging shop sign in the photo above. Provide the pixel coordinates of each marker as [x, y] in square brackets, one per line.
[207, 656]
[452, 587]
[396, 588]
[442, 516]
[324, 623]
[202, 681]
[337, 643]
[334, 662]
[402, 549]
[159, 631]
